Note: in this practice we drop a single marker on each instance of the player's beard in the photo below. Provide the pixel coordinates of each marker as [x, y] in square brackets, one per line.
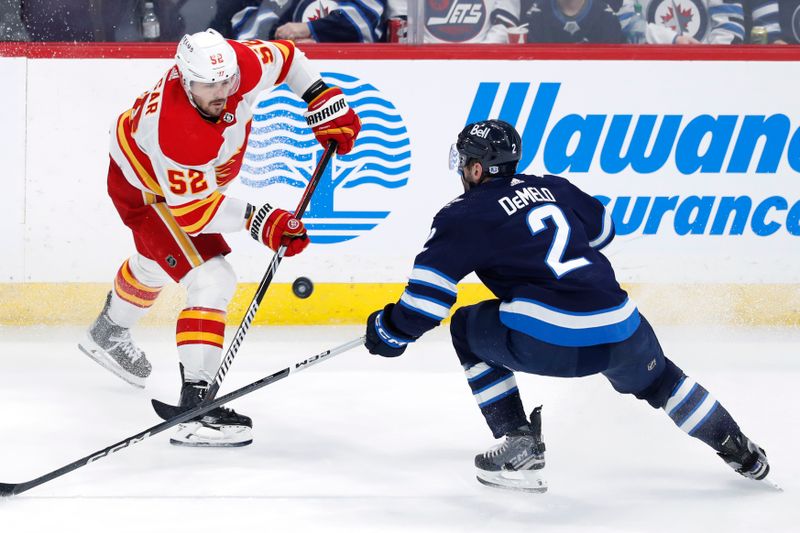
[214, 108]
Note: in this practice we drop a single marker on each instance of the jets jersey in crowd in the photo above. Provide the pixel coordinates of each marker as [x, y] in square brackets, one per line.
[535, 243]
[470, 21]
[708, 21]
[781, 19]
[181, 162]
[354, 21]
[594, 23]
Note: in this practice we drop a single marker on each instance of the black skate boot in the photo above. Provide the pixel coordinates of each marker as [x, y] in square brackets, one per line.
[220, 427]
[112, 347]
[516, 463]
[744, 456]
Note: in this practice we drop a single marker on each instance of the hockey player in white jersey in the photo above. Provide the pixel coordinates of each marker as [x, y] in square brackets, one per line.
[173, 155]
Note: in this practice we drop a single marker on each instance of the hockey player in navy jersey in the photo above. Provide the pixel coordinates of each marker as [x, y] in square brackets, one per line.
[535, 242]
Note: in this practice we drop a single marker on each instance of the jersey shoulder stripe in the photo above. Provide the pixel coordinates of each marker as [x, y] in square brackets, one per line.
[250, 66]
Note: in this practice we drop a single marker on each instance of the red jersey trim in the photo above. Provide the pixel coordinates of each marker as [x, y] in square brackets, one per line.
[227, 171]
[250, 69]
[287, 51]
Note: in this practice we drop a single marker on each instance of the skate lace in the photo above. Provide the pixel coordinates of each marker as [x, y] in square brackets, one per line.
[511, 446]
[125, 343]
[498, 449]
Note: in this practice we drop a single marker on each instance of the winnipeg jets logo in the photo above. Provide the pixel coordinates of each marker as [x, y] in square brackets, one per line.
[677, 18]
[455, 20]
[459, 13]
[685, 17]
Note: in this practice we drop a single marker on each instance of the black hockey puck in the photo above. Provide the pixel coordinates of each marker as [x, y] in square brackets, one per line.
[302, 287]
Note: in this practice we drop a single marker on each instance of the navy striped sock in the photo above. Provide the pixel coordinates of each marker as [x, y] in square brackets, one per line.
[698, 413]
[495, 390]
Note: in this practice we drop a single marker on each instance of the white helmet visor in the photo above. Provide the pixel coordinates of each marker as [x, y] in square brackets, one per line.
[215, 90]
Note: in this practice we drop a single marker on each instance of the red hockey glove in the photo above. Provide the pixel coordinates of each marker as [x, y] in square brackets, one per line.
[276, 227]
[331, 118]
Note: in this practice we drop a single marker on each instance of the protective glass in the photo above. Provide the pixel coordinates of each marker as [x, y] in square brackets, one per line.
[457, 159]
[218, 89]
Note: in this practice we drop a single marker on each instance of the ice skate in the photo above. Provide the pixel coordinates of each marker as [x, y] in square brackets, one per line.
[517, 462]
[112, 347]
[745, 457]
[220, 427]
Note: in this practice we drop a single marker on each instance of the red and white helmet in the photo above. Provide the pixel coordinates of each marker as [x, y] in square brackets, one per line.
[206, 57]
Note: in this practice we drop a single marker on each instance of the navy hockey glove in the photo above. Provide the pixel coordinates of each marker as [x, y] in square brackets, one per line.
[382, 339]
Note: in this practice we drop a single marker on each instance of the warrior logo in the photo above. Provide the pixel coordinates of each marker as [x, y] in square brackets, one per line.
[282, 153]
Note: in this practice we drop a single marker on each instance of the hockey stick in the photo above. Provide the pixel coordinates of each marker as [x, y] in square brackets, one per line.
[10, 489]
[167, 411]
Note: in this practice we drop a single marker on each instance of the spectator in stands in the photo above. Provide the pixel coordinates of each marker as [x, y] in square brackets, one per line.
[487, 21]
[684, 21]
[571, 21]
[781, 19]
[59, 20]
[357, 21]
[11, 27]
[123, 19]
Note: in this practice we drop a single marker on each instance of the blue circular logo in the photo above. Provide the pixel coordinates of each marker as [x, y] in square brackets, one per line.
[685, 17]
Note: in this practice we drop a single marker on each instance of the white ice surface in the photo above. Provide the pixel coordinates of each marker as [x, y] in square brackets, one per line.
[364, 444]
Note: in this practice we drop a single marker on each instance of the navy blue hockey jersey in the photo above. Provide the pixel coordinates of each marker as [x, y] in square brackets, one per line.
[535, 243]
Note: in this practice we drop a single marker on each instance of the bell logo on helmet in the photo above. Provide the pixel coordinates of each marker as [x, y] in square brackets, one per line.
[479, 132]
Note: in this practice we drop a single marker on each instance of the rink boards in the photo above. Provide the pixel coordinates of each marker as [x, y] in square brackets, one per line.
[696, 160]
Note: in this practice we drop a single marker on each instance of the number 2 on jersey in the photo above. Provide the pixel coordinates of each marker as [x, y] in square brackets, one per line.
[536, 219]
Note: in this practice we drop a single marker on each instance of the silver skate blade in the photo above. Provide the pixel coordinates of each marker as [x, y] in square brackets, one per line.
[200, 435]
[175, 442]
[772, 484]
[521, 481]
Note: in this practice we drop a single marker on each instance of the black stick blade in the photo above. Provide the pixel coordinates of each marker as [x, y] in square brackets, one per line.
[165, 410]
[8, 489]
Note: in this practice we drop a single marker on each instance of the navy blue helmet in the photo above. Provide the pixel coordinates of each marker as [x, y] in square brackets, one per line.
[493, 143]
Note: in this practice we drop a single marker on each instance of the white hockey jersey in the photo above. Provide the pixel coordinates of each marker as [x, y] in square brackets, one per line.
[171, 154]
